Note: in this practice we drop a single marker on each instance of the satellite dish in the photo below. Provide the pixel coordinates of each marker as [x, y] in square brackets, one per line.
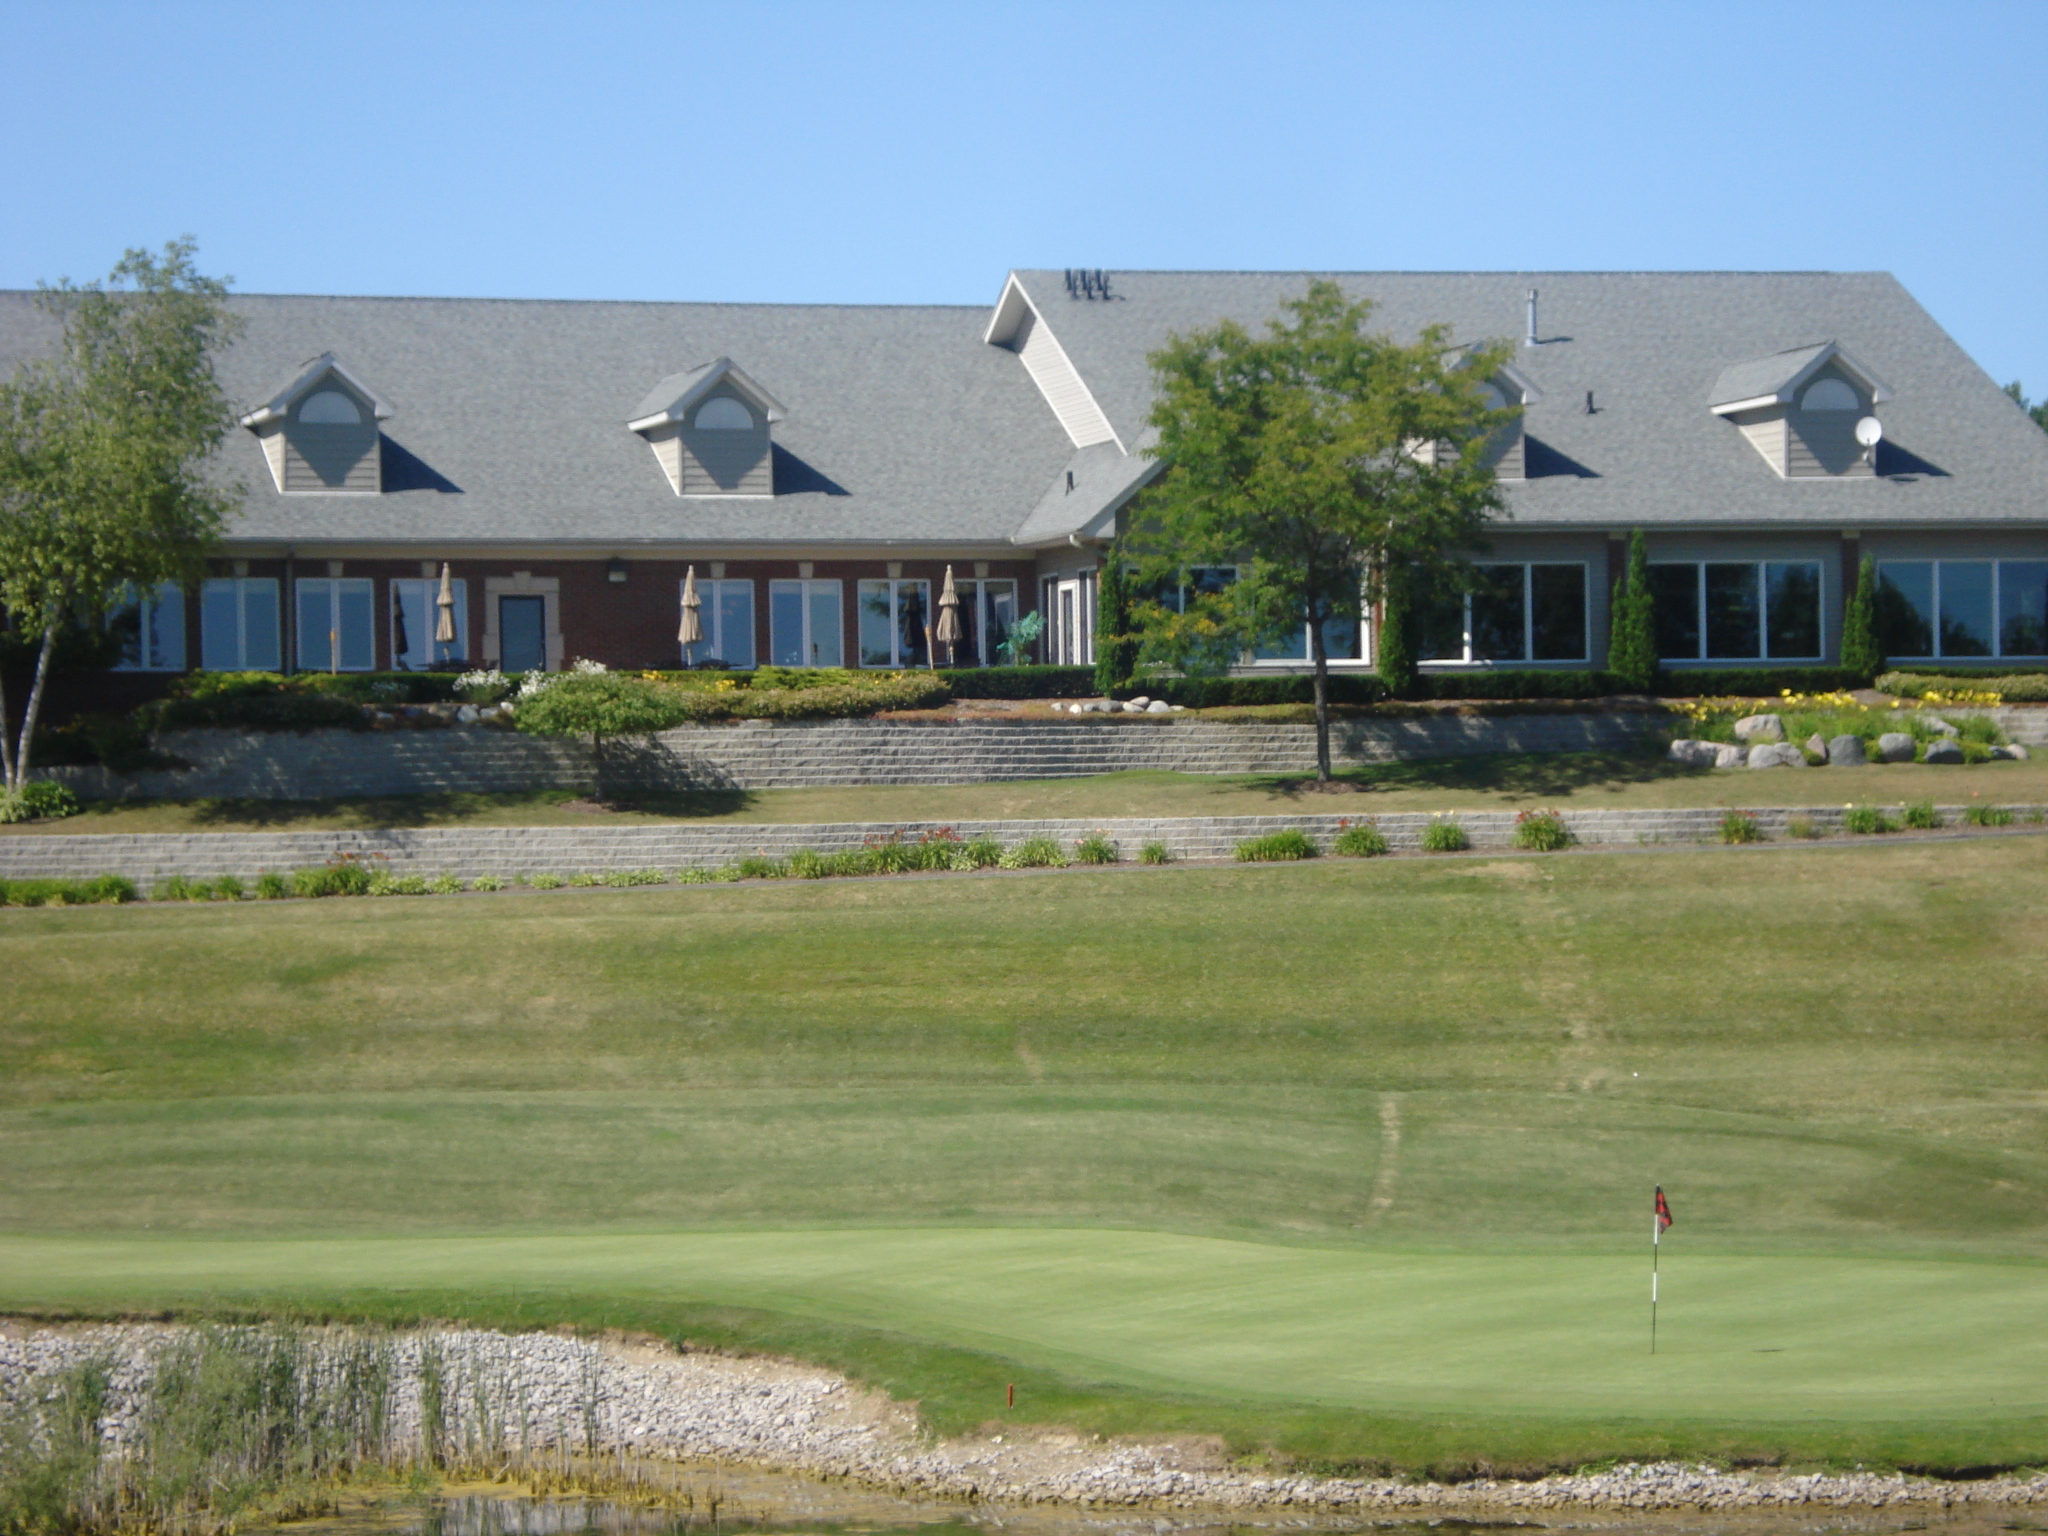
[1869, 431]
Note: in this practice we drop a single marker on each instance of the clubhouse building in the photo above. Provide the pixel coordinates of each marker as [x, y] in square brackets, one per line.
[820, 467]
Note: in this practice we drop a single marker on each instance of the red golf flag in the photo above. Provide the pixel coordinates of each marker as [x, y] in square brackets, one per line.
[1663, 1210]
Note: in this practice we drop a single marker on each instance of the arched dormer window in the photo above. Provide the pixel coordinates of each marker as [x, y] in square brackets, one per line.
[1830, 395]
[722, 413]
[1495, 400]
[330, 408]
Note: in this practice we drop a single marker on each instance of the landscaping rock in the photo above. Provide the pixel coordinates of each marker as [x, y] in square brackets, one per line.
[1776, 754]
[1940, 725]
[1846, 752]
[1947, 750]
[1133, 707]
[1895, 747]
[1141, 700]
[1726, 756]
[467, 714]
[1695, 754]
[1158, 707]
[1817, 744]
[2012, 750]
[1759, 728]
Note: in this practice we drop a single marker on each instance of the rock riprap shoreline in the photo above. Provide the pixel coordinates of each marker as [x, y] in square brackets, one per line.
[479, 1394]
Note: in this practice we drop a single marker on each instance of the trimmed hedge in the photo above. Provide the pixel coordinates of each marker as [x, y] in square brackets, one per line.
[98, 891]
[2013, 687]
[1519, 684]
[1241, 692]
[1020, 682]
[911, 690]
[305, 701]
[1756, 682]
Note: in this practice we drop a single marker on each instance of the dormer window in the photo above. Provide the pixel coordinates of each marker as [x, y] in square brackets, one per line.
[320, 433]
[1507, 388]
[724, 414]
[710, 429]
[1800, 409]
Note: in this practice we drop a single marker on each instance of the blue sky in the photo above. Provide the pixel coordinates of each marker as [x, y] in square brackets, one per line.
[897, 152]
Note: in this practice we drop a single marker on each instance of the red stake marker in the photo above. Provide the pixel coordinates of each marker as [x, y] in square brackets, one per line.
[1010, 1397]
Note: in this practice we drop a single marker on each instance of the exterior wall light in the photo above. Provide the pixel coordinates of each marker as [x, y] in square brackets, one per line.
[615, 571]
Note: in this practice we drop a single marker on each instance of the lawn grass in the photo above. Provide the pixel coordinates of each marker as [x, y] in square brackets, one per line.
[1349, 1157]
[1574, 780]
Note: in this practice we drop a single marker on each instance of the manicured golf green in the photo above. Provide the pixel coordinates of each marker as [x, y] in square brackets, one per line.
[1364, 1139]
[1777, 1338]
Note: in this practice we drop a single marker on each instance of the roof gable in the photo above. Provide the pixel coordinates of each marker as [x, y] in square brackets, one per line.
[672, 398]
[306, 381]
[1776, 379]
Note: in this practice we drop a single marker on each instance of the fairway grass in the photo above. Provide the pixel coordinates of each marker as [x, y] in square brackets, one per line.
[1569, 781]
[1350, 1158]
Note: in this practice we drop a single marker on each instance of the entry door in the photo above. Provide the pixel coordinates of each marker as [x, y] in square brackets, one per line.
[1068, 596]
[522, 635]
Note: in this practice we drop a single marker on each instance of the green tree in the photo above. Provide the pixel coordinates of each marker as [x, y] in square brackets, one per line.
[1116, 637]
[601, 706]
[1315, 458]
[104, 450]
[1632, 622]
[2038, 409]
[1861, 652]
[1395, 655]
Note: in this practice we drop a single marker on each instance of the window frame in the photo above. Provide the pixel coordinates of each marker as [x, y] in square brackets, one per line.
[336, 586]
[1527, 568]
[243, 588]
[458, 648]
[895, 584]
[1997, 564]
[1762, 656]
[985, 654]
[709, 592]
[145, 606]
[805, 588]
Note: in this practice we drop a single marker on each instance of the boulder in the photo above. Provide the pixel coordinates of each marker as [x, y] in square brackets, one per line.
[1776, 754]
[1759, 728]
[1940, 725]
[1846, 752]
[2012, 750]
[1694, 754]
[467, 714]
[1142, 700]
[1726, 756]
[1947, 750]
[1133, 707]
[1895, 747]
[1159, 707]
[1817, 744]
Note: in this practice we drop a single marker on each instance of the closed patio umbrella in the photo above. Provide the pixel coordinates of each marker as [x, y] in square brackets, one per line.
[401, 640]
[948, 632]
[444, 626]
[691, 631]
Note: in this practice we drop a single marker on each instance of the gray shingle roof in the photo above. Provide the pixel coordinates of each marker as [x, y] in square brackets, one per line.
[902, 426]
[1650, 346]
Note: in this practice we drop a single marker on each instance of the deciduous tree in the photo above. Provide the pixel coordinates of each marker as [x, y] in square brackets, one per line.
[1316, 458]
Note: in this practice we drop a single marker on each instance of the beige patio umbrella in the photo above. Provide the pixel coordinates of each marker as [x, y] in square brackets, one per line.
[691, 631]
[948, 632]
[444, 626]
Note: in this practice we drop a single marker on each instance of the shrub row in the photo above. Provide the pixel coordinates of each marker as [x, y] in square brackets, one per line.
[101, 890]
[1020, 682]
[2013, 687]
[907, 690]
[37, 800]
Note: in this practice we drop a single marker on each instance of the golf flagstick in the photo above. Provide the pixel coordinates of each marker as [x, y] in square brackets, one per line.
[1657, 1226]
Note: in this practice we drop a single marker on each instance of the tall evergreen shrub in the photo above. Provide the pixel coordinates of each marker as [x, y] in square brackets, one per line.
[1395, 654]
[1861, 653]
[1632, 630]
[1116, 646]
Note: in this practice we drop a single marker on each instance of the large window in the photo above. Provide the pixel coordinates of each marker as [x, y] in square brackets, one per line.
[987, 610]
[725, 610]
[238, 626]
[1737, 610]
[336, 630]
[803, 624]
[1962, 608]
[416, 614]
[893, 616]
[1514, 613]
[152, 630]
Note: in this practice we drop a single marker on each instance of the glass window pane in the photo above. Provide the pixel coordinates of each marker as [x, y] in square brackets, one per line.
[220, 627]
[786, 624]
[877, 646]
[261, 651]
[316, 625]
[1966, 607]
[1733, 612]
[913, 613]
[735, 634]
[999, 610]
[827, 649]
[2023, 607]
[163, 630]
[1440, 626]
[1557, 602]
[1675, 590]
[1499, 607]
[1292, 646]
[1905, 607]
[1792, 610]
[1342, 637]
[355, 618]
[1210, 578]
[412, 624]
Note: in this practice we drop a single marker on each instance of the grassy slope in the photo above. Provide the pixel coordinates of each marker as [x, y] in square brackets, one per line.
[1569, 780]
[1431, 1096]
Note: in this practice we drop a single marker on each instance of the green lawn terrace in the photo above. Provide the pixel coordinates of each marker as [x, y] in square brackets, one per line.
[1348, 1159]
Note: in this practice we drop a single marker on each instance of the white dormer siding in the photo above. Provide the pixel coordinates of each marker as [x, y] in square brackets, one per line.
[1799, 411]
[710, 429]
[320, 434]
[1018, 326]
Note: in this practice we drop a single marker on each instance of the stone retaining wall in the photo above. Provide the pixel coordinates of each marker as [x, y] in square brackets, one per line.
[761, 754]
[510, 851]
